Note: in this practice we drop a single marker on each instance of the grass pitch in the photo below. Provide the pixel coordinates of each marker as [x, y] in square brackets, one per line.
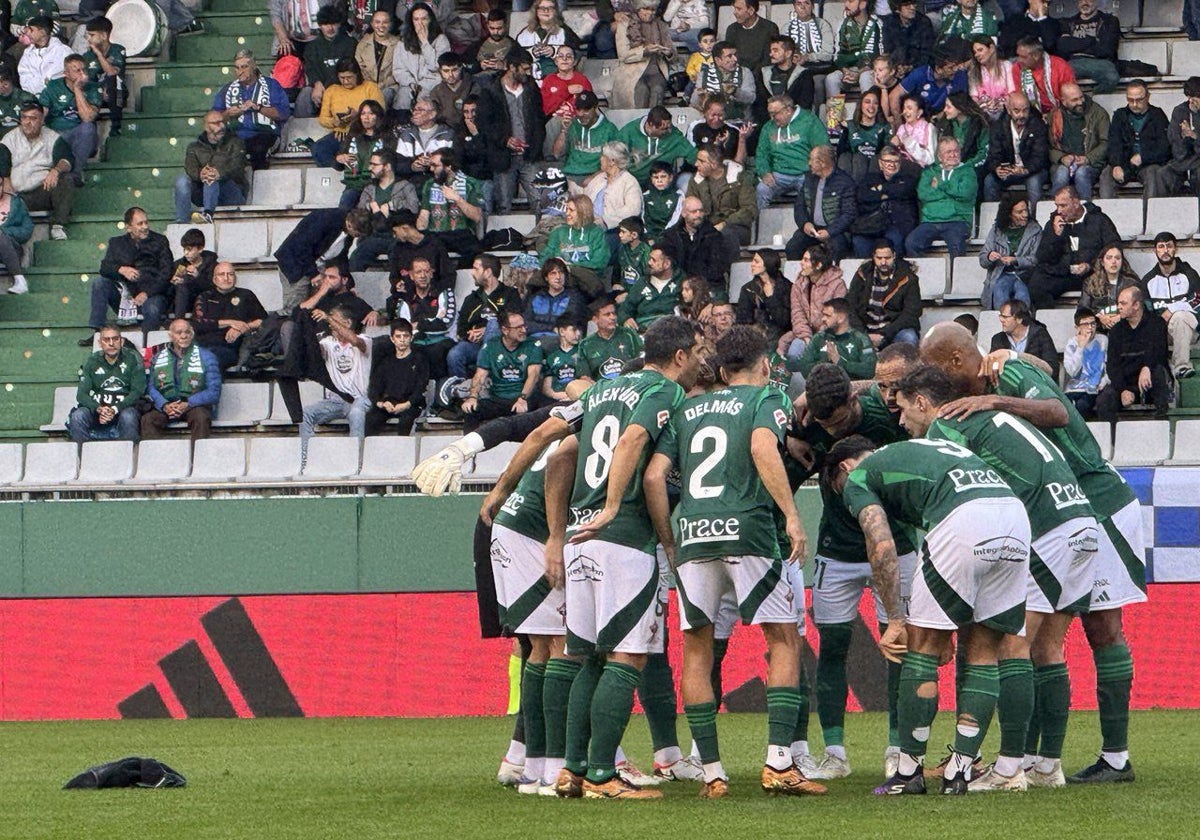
[362, 779]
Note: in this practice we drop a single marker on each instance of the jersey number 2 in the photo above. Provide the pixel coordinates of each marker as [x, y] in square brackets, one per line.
[720, 443]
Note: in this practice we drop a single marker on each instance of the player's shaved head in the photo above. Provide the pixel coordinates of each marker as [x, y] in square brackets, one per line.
[952, 348]
[740, 349]
[827, 389]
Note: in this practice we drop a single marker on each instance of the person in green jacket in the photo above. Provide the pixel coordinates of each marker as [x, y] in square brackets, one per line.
[781, 160]
[661, 201]
[646, 302]
[583, 134]
[838, 344]
[111, 382]
[603, 353]
[652, 138]
[633, 255]
[947, 194]
[582, 245]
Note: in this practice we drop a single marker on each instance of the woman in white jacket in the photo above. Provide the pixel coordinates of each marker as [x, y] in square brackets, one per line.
[415, 64]
[615, 194]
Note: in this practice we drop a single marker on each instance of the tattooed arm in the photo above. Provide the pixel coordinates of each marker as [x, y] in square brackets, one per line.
[885, 567]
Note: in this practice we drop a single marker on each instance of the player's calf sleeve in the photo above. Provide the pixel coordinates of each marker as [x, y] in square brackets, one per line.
[831, 681]
[917, 701]
[1015, 705]
[783, 707]
[531, 707]
[579, 713]
[702, 720]
[516, 667]
[976, 705]
[803, 708]
[720, 648]
[657, 693]
[556, 690]
[1114, 681]
[611, 706]
[1052, 704]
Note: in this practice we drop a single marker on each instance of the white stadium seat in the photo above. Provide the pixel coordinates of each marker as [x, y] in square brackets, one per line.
[218, 459]
[105, 461]
[1187, 442]
[1141, 442]
[967, 279]
[272, 459]
[1126, 214]
[931, 271]
[277, 188]
[322, 187]
[489, 464]
[1175, 215]
[243, 404]
[1102, 432]
[388, 457]
[243, 240]
[56, 462]
[1060, 323]
[12, 456]
[163, 460]
[331, 456]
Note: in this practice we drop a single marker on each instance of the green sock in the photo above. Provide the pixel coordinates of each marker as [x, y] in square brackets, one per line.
[556, 690]
[915, 713]
[1114, 681]
[783, 708]
[579, 714]
[1015, 706]
[531, 705]
[893, 688]
[831, 681]
[720, 648]
[800, 729]
[1052, 689]
[702, 719]
[611, 706]
[976, 705]
[657, 693]
[1033, 734]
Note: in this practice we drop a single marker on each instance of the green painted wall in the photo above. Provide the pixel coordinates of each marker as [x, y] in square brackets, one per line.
[247, 546]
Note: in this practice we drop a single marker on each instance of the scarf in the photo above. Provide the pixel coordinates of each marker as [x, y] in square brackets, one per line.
[300, 18]
[863, 42]
[806, 34]
[163, 373]
[259, 92]
[713, 79]
[1030, 87]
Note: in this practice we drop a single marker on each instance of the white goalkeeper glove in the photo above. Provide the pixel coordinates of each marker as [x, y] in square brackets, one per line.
[442, 472]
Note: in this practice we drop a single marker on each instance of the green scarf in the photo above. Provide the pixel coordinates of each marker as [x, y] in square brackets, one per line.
[163, 374]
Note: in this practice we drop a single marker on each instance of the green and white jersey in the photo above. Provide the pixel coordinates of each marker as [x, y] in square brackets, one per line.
[1102, 485]
[524, 511]
[724, 508]
[644, 398]
[877, 425]
[508, 368]
[1026, 459]
[603, 358]
[562, 366]
[919, 482]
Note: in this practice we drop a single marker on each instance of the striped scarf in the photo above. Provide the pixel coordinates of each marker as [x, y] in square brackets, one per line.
[1030, 88]
[806, 34]
[259, 92]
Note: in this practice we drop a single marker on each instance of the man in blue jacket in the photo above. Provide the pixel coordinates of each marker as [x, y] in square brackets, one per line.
[185, 385]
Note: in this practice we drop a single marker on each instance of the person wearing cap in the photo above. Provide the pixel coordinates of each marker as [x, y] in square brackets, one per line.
[257, 105]
[1182, 132]
[321, 57]
[375, 53]
[43, 59]
[933, 82]
[455, 86]
[104, 62]
[584, 133]
[411, 244]
[1173, 289]
[908, 35]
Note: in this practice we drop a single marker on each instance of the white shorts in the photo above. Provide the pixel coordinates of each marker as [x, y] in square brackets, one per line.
[838, 587]
[727, 615]
[527, 602]
[973, 568]
[1060, 567]
[761, 587]
[615, 599]
[1119, 570]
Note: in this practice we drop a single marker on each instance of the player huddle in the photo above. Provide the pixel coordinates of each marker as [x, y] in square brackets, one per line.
[966, 492]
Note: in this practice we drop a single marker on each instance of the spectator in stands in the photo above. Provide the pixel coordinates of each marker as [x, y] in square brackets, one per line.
[43, 58]
[347, 357]
[706, 42]
[766, 300]
[1089, 41]
[319, 238]
[481, 151]
[543, 35]
[561, 366]
[727, 193]
[39, 161]
[712, 130]
[815, 44]
[1035, 23]
[646, 53]
[859, 40]
[581, 137]
[396, 388]
[724, 75]
[662, 202]
[453, 89]
[1072, 237]
[258, 104]
[184, 385]
[966, 122]
[947, 193]
[1078, 141]
[1009, 253]
[933, 83]
[1184, 165]
[1018, 152]
[415, 64]
[547, 305]
[887, 77]
[104, 62]
[321, 57]
[750, 34]
[697, 247]
[1040, 75]
[112, 381]
[646, 302]
[340, 106]
[560, 88]
[451, 205]
[376, 53]
[1137, 360]
[1138, 146]
[382, 197]
[369, 132]
[513, 364]
[581, 243]
[192, 273]
[412, 243]
[420, 139]
[615, 190]
[826, 206]
[224, 315]
[784, 148]
[214, 172]
[686, 18]
[967, 18]
[885, 298]
[294, 25]
[603, 353]
[1111, 274]
[521, 121]
[479, 312]
[784, 73]
[1019, 331]
[432, 313]
[633, 253]
[72, 104]
[865, 134]
[908, 35]
[1084, 361]
[497, 43]
[887, 204]
[138, 263]
[16, 227]
[1173, 291]
[915, 136]
[11, 97]
[654, 138]
[839, 344]
[989, 77]
[820, 280]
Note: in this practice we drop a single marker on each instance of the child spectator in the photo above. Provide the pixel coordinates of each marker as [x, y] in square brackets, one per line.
[706, 40]
[397, 383]
[1085, 359]
[562, 362]
[192, 273]
[633, 254]
[105, 65]
[660, 202]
